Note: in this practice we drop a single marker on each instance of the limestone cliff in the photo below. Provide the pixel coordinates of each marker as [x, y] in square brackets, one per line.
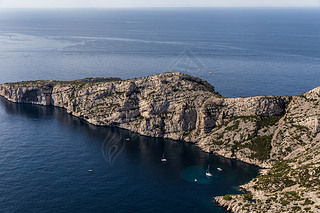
[263, 130]
[293, 182]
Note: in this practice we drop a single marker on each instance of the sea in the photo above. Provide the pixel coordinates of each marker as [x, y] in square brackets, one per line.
[51, 161]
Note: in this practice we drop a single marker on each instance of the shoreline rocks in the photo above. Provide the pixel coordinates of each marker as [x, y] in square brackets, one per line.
[261, 130]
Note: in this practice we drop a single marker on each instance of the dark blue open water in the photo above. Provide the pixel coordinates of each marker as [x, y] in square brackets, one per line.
[45, 154]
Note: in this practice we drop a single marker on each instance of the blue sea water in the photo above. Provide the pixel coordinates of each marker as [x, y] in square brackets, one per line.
[46, 154]
[248, 51]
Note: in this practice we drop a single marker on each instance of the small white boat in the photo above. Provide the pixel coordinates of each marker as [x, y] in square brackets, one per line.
[90, 170]
[163, 159]
[208, 174]
[195, 180]
[219, 169]
[127, 139]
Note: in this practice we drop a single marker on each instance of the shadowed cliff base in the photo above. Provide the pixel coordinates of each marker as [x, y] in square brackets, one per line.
[261, 130]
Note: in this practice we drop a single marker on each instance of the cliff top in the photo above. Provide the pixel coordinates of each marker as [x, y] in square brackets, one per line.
[276, 132]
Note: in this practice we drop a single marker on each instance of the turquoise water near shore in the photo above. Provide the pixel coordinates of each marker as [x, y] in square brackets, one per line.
[46, 155]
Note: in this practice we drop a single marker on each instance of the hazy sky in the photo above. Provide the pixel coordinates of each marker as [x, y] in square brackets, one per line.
[159, 3]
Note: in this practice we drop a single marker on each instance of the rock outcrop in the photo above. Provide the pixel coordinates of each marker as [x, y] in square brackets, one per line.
[263, 130]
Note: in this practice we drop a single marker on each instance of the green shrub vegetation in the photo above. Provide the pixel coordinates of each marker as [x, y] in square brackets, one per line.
[227, 197]
[296, 208]
[267, 121]
[301, 128]
[234, 126]
[261, 145]
[307, 202]
[307, 208]
[292, 195]
[217, 142]
[276, 177]
[248, 196]
[284, 202]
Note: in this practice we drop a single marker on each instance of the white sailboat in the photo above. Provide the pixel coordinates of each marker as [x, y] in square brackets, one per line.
[208, 174]
[163, 159]
[219, 169]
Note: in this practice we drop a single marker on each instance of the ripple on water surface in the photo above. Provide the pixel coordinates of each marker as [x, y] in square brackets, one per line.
[197, 174]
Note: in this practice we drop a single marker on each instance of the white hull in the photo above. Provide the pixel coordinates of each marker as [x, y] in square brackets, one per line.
[208, 174]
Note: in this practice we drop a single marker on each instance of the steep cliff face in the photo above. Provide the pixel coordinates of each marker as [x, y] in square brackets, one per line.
[170, 105]
[292, 183]
[269, 131]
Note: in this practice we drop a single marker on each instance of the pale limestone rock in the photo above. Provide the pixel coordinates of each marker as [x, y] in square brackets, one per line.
[182, 107]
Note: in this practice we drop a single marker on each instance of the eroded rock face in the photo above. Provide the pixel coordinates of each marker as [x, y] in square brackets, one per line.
[180, 107]
[35, 94]
[292, 183]
[170, 105]
[262, 130]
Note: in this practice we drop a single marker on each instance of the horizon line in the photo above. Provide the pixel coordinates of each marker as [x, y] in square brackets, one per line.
[152, 7]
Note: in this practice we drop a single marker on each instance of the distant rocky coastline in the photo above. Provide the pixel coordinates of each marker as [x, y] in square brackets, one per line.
[281, 134]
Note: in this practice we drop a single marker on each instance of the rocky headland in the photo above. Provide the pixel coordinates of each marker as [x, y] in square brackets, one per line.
[281, 134]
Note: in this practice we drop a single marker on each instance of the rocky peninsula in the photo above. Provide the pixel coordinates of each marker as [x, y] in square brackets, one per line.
[281, 134]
